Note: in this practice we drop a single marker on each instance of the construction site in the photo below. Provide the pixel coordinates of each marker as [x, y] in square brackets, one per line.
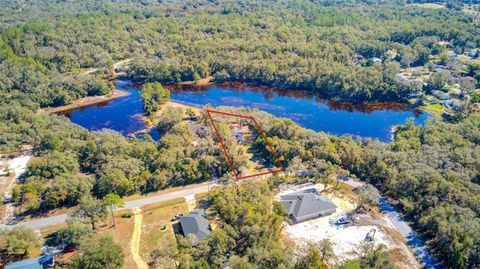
[339, 218]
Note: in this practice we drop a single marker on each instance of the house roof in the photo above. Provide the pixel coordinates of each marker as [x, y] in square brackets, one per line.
[195, 223]
[305, 203]
[35, 263]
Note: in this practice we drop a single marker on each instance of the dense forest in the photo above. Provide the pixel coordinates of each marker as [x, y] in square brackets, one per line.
[284, 44]
[431, 171]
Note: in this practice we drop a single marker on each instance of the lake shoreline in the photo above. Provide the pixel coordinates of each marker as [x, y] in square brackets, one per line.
[365, 106]
[152, 120]
[84, 102]
[126, 115]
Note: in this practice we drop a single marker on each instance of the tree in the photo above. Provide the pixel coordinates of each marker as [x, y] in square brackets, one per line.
[113, 180]
[154, 95]
[90, 208]
[371, 256]
[455, 5]
[407, 58]
[73, 234]
[438, 80]
[466, 85]
[311, 260]
[16, 243]
[98, 253]
[326, 250]
[368, 195]
[168, 119]
[113, 201]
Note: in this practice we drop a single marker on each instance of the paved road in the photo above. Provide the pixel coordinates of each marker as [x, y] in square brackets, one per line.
[40, 223]
[404, 229]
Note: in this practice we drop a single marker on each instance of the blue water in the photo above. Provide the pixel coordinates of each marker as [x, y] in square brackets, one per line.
[124, 114]
[306, 111]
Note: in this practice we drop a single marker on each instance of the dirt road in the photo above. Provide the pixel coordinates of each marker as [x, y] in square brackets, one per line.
[17, 166]
[135, 243]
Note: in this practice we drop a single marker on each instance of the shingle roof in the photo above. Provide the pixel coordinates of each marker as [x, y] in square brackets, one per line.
[35, 263]
[195, 223]
[304, 203]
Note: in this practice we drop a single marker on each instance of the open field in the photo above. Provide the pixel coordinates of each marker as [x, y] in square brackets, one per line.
[158, 231]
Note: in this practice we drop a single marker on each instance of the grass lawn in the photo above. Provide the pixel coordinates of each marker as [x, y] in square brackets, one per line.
[155, 217]
[434, 109]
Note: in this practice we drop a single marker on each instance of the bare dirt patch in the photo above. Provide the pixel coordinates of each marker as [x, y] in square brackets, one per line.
[122, 234]
[135, 244]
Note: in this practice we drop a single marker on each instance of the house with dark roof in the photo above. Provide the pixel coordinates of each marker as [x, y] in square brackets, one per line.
[195, 223]
[35, 263]
[306, 205]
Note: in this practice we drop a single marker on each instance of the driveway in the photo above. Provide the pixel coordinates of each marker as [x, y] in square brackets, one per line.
[403, 228]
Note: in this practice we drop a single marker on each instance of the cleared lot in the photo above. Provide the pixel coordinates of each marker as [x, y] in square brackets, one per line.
[348, 239]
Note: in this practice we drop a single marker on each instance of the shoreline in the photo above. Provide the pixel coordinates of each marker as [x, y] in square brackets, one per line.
[84, 102]
[152, 120]
[364, 106]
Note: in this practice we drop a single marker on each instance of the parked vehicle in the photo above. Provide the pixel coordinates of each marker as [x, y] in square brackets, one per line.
[176, 217]
[69, 248]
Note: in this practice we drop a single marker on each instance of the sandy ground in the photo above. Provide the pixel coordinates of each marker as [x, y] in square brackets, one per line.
[135, 244]
[85, 101]
[115, 66]
[347, 239]
[200, 82]
[191, 203]
[17, 167]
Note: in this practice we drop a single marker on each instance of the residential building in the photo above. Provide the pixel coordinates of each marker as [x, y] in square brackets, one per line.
[307, 204]
[195, 223]
[35, 263]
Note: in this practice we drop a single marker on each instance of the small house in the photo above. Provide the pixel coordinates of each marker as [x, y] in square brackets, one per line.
[306, 205]
[195, 223]
[35, 263]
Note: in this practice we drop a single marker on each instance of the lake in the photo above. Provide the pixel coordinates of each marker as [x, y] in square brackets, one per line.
[365, 120]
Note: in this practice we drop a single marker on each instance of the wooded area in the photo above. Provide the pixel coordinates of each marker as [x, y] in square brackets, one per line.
[431, 171]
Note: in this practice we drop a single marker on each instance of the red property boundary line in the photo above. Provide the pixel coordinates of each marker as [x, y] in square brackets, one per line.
[209, 112]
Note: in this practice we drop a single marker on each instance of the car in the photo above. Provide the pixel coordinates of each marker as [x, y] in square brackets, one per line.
[176, 217]
[69, 248]
[343, 221]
